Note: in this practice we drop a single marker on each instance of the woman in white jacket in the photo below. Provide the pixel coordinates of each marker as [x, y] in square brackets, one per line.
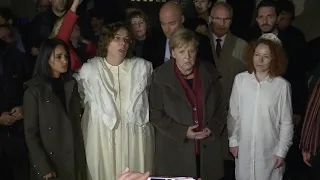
[116, 126]
[260, 119]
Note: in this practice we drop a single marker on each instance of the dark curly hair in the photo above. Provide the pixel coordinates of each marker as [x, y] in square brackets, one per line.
[108, 34]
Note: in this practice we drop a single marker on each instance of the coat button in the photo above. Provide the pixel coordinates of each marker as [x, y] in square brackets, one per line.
[51, 153]
[38, 173]
[194, 108]
[80, 115]
[34, 166]
[50, 128]
[48, 101]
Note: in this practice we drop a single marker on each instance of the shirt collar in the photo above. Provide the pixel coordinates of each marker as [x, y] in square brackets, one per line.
[222, 38]
[267, 79]
[123, 66]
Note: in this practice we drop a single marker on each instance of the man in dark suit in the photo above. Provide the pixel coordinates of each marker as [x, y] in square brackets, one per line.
[172, 19]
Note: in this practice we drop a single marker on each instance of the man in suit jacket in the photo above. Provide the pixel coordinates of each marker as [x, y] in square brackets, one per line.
[171, 19]
[228, 53]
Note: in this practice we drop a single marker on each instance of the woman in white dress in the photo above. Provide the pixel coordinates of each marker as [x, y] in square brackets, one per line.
[260, 119]
[116, 126]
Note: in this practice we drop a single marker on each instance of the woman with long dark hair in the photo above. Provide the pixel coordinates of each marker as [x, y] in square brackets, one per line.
[52, 117]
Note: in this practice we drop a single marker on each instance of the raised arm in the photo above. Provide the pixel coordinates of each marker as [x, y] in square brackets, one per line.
[68, 22]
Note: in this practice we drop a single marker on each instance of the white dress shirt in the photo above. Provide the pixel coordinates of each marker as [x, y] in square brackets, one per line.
[260, 125]
[167, 55]
[223, 38]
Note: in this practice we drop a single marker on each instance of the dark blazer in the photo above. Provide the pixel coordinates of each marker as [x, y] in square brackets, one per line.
[159, 48]
[53, 133]
[171, 114]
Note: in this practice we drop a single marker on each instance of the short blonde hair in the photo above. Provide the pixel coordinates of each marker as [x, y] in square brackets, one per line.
[183, 37]
[56, 27]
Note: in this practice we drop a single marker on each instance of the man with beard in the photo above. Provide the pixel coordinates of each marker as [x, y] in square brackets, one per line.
[268, 18]
[228, 51]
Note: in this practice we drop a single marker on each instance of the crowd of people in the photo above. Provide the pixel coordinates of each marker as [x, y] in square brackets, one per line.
[127, 100]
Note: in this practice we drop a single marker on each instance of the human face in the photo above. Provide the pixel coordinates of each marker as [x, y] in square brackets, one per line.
[76, 32]
[220, 20]
[139, 27]
[119, 46]
[285, 20]
[267, 19]
[170, 22]
[202, 6]
[59, 5]
[96, 23]
[6, 35]
[185, 57]
[43, 5]
[262, 58]
[58, 61]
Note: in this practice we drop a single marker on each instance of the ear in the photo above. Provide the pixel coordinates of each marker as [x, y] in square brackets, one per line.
[279, 18]
[173, 53]
[182, 19]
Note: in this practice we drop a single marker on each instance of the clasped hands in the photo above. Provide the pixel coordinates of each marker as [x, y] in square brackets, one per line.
[192, 134]
[8, 118]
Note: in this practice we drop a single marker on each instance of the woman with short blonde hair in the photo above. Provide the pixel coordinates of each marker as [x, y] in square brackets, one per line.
[188, 112]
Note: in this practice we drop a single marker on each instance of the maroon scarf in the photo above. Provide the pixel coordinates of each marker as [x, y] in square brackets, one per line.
[311, 127]
[194, 96]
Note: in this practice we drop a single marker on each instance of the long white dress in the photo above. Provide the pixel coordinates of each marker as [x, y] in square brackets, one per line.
[260, 124]
[115, 123]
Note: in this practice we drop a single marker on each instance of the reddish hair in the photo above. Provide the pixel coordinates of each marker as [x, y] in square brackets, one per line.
[278, 64]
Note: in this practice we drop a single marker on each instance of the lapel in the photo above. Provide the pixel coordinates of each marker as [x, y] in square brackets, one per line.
[227, 46]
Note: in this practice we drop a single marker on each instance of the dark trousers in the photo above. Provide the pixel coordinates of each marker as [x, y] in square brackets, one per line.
[14, 162]
[229, 170]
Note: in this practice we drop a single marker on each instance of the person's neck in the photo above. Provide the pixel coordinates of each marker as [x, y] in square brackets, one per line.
[55, 75]
[114, 61]
[275, 32]
[141, 38]
[261, 75]
[187, 74]
[58, 13]
[219, 36]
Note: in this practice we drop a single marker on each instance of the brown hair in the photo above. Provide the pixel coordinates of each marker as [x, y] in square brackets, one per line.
[108, 34]
[136, 13]
[183, 37]
[278, 63]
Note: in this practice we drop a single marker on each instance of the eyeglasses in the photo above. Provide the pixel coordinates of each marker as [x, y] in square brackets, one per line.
[125, 40]
[225, 20]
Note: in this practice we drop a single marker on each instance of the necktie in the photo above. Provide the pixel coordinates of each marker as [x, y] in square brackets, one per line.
[218, 47]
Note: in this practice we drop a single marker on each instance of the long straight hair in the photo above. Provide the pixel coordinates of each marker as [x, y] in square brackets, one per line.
[42, 67]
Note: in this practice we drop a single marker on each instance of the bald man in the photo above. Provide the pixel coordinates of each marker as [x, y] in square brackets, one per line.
[172, 19]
